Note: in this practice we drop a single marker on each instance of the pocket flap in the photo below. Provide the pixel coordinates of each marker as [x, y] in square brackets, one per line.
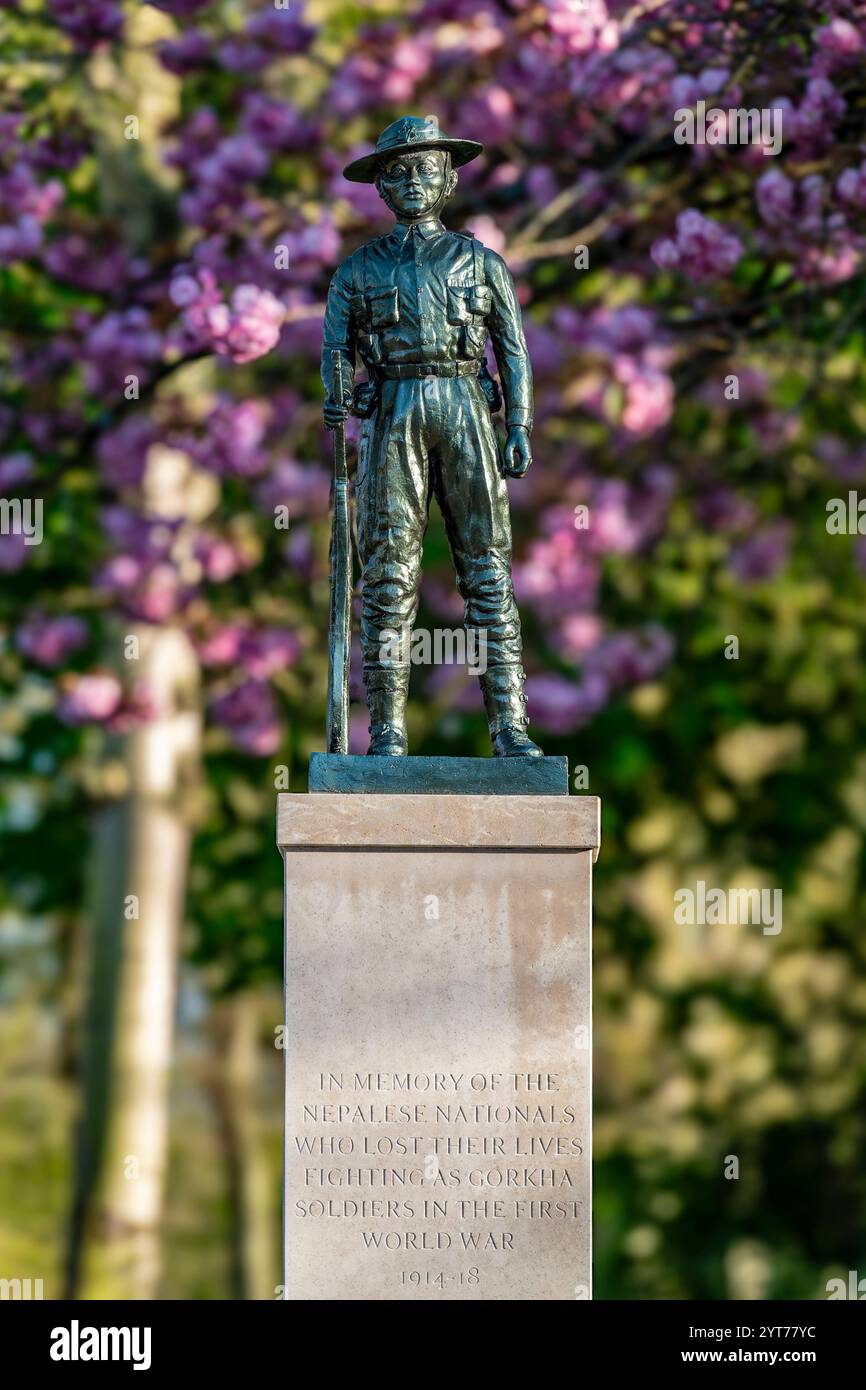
[481, 299]
[383, 307]
[457, 303]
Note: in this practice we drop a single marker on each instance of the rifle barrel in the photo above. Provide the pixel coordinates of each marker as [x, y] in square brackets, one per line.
[340, 622]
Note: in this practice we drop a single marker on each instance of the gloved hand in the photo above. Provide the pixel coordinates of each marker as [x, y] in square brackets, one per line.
[334, 414]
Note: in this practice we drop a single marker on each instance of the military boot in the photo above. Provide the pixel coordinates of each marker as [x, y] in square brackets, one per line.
[386, 701]
[502, 688]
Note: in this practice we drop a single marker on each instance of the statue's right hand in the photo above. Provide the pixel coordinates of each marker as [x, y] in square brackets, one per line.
[334, 414]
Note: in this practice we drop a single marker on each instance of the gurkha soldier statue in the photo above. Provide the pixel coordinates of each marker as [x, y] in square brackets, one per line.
[417, 305]
[437, 908]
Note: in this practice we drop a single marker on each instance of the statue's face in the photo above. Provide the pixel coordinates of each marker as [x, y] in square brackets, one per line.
[414, 182]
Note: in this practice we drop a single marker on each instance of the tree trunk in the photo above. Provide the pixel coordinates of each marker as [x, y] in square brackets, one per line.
[140, 865]
[235, 1087]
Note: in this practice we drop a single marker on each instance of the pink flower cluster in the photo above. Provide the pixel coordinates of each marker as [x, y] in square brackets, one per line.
[851, 186]
[243, 329]
[259, 651]
[763, 554]
[628, 343]
[249, 712]
[617, 662]
[98, 697]
[122, 343]
[88, 22]
[48, 641]
[703, 250]
[806, 228]
[25, 203]
[231, 442]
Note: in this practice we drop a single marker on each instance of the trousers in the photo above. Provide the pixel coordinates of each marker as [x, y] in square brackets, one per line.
[433, 437]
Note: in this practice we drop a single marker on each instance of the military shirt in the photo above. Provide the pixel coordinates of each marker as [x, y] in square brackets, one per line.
[414, 296]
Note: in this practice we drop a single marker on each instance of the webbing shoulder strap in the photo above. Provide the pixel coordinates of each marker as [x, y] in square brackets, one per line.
[478, 261]
[477, 258]
[359, 271]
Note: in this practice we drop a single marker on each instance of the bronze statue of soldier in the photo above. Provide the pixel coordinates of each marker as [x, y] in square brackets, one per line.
[417, 306]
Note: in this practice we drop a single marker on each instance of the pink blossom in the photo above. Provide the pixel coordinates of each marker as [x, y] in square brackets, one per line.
[90, 698]
[579, 632]
[220, 559]
[122, 343]
[584, 28]
[231, 443]
[277, 124]
[302, 487]
[702, 249]
[14, 551]
[160, 594]
[186, 53]
[123, 451]
[851, 185]
[74, 258]
[281, 30]
[244, 329]
[611, 527]
[562, 705]
[490, 108]
[763, 554]
[20, 240]
[774, 194]
[626, 658]
[838, 41]
[48, 641]
[269, 650]
[815, 117]
[222, 645]
[88, 21]
[15, 469]
[487, 231]
[558, 574]
[249, 712]
[254, 324]
[649, 397]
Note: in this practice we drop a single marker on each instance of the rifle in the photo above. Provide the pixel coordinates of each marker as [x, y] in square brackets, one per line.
[340, 620]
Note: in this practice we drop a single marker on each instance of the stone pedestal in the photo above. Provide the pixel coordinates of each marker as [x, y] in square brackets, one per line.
[438, 1012]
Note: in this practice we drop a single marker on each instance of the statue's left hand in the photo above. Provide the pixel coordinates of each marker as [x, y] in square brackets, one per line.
[518, 454]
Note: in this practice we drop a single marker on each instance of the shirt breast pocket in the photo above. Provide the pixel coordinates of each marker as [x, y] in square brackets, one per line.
[457, 305]
[383, 307]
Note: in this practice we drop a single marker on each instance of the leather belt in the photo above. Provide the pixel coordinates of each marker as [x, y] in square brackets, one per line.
[402, 371]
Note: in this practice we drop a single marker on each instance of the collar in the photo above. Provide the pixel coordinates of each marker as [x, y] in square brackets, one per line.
[429, 226]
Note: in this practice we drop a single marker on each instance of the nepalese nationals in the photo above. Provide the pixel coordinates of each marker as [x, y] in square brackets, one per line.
[377, 1114]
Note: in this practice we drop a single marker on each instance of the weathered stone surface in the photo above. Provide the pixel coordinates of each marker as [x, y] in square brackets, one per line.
[333, 772]
[437, 1046]
[446, 822]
